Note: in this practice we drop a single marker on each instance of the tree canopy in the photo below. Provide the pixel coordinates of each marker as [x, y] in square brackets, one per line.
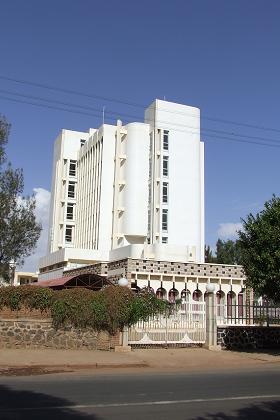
[19, 230]
[259, 242]
[227, 252]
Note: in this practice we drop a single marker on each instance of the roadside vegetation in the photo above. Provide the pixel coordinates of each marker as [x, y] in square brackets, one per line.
[19, 229]
[110, 309]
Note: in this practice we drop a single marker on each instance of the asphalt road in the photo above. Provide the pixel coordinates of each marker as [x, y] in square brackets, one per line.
[227, 395]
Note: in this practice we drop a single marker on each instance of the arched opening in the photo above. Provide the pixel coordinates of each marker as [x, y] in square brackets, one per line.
[231, 304]
[161, 293]
[185, 297]
[197, 295]
[220, 299]
[173, 295]
[240, 301]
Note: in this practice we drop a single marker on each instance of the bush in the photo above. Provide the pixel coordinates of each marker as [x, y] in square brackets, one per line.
[110, 309]
[30, 297]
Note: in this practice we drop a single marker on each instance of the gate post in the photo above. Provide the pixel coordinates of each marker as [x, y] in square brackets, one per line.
[211, 319]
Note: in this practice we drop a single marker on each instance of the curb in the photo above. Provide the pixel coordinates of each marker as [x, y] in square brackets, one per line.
[66, 367]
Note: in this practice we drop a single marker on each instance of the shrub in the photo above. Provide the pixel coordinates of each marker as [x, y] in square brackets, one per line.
[15, 298]
[110, 309]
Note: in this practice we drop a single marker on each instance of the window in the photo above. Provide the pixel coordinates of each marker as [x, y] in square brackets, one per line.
[82, 142]
[165, 166]
[164, 240]
[165, 139]
[72, 168]
[71, 189]
[164, 221]
[165, 192]
[68, 233]
[70, 211]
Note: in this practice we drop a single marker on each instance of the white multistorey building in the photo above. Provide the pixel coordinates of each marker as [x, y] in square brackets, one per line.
[131, 192]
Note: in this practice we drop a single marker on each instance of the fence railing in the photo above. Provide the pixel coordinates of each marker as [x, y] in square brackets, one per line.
[249, 314]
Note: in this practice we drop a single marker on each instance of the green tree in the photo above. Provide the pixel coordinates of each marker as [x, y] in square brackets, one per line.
[259, 241]
[209, 257]
[19, 230]
[228, 252]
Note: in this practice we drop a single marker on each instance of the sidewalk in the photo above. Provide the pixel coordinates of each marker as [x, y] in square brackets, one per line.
[183, 359]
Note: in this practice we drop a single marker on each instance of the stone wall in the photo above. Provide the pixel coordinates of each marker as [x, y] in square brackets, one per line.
[249, 337]
[34, 331]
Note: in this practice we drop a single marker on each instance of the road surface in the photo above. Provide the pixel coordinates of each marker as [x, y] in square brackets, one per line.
[141, 395]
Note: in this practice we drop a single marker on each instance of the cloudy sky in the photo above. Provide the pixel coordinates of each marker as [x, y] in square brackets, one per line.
[221, 56]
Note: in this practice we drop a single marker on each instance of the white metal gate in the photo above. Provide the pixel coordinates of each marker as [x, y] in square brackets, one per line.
[185, 326]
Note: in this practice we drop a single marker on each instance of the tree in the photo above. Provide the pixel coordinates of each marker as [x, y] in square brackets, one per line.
[209, 257]
[260, 250]
[19, 230]
[228, 252]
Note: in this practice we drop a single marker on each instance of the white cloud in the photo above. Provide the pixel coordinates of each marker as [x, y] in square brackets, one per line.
[42, 197]
[228, 230]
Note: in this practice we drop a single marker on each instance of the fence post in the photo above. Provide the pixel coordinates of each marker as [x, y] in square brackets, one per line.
[124, 347]
[211, 319]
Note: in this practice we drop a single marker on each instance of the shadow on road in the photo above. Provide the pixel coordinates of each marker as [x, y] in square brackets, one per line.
[268, 410]
[23, 405]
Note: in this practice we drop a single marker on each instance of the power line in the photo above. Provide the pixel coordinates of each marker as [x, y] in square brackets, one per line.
[98, 116]
[126, 115]
[50, 107]
[93, 96]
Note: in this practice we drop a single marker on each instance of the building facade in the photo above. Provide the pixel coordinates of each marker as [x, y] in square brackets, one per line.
[134, 190]
[128, 201]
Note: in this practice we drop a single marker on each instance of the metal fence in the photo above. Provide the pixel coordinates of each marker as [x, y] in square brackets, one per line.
[180, 327]
[249, 314]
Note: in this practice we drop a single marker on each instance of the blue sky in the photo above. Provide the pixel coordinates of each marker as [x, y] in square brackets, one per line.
[221, 56]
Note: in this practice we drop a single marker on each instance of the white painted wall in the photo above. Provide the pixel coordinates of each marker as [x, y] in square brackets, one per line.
[136, 176]
[66, 147]
[186, 179]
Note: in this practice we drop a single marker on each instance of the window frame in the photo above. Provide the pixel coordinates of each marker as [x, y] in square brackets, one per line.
[165, 166]
[165, 185]
[71, 194]
[70, 205]
[164, 220]
[73, 172]
[67, 236]
[165, 140]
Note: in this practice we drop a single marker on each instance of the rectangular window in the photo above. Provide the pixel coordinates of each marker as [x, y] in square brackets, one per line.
[70, 211]
[72, 168]
[71, 189]
[82, 142]
[165, 192]
[164, 240]
[68, 234]
[165, 139]
[164, 220]
[165, 166]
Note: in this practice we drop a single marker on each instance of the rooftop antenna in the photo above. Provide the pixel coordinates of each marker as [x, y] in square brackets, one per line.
[103, 114]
